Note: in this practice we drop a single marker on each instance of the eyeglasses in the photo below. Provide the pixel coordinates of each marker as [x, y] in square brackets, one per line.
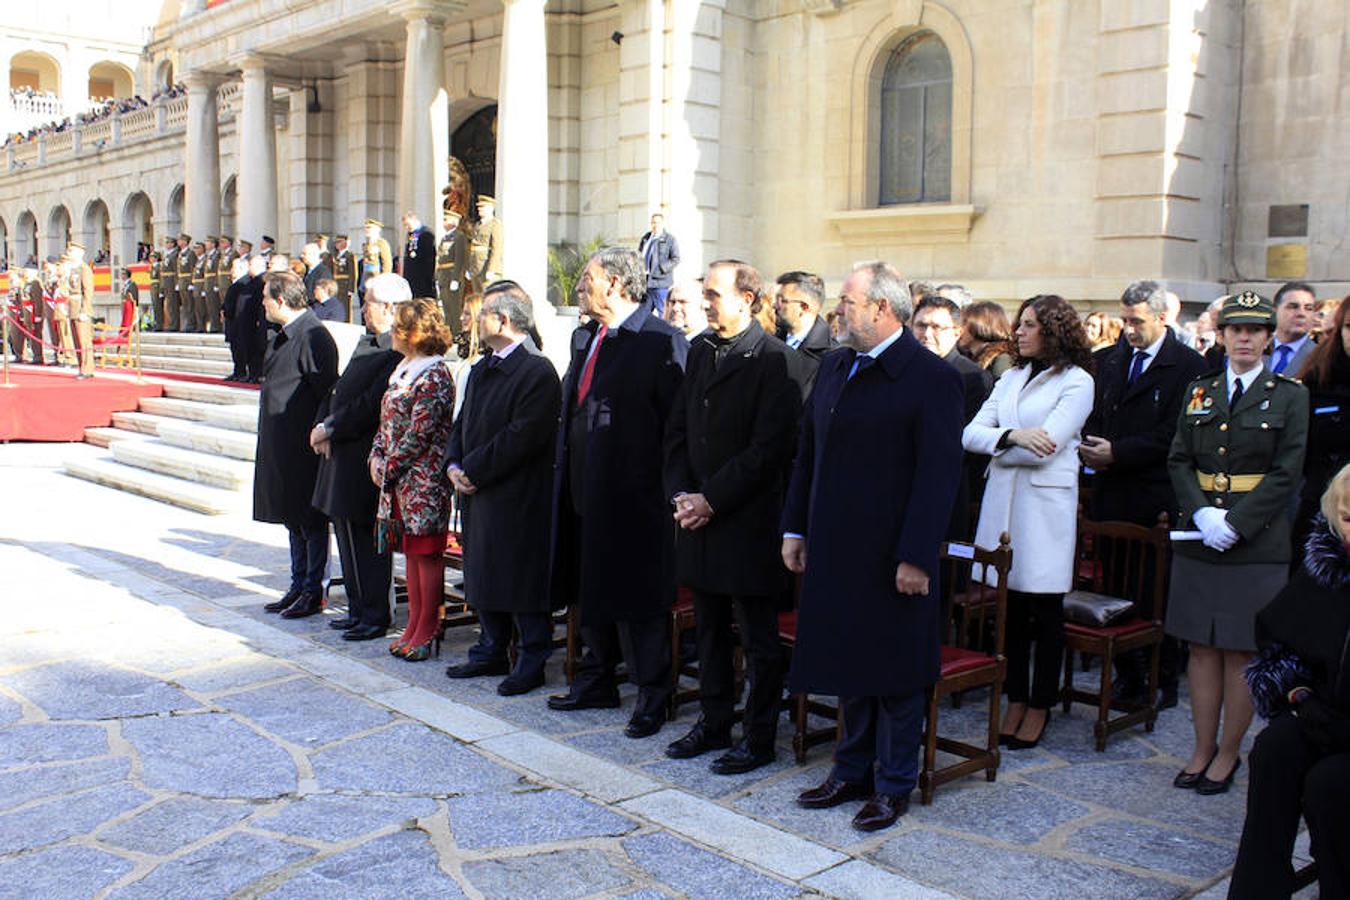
[924, 327]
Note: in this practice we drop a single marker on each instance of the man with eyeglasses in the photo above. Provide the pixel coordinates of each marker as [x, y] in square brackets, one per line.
[1295, 306]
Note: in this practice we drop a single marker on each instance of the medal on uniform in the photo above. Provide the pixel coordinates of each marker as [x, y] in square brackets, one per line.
[1265, 404]
[1196, 406]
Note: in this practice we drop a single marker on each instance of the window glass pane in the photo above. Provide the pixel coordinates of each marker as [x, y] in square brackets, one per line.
[916, 122]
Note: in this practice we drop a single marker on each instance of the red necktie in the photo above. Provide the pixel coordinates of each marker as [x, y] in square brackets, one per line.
[588, 370]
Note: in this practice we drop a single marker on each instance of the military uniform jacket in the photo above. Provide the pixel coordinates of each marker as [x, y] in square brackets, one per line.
[77, 287]
[224, 264]
[211, 271]
[154, 279]
[168, 272]
[200, 269]
[376, 258]
[344, 273]
[452, 259]
[1266, 435]
[487, 250]
[187, 265]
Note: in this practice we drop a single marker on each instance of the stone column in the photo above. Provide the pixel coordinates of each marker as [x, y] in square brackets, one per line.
[256, 187]
[202, 188]
[424, 128]
[522, 155]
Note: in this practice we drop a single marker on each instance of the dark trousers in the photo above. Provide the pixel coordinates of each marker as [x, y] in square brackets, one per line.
[1290, 777]
[173, 315]
[1039, 619]
[255, 352]
[157, 302]
[645, 646]
[187, 311]
[238, 357]
[309, 554]
[880, 743]
[366, 573]
[199, 309]
[757, 620]
[494, 639]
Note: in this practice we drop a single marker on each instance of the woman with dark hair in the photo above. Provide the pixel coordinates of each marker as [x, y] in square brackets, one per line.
[985, 337]
[1234, 464]
[1326, 375]
[407, 464]
[1300, 764]
[1030, 425]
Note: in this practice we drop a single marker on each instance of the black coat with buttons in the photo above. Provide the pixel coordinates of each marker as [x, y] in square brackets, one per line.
[731, 437]
[1266, 434]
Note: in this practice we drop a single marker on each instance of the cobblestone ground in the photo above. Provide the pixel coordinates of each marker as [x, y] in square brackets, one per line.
[160, 736]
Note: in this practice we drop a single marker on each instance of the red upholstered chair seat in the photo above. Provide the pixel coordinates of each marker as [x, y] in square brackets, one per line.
[958, 660]
[684, 600]
[787, 626]
[1121, 630]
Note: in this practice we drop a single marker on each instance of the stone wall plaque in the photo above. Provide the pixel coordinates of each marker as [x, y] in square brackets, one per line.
[1289, 220]
[1286, 261]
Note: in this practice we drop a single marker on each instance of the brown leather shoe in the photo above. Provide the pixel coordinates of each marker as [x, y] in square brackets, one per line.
[831, 792]
[881, 812]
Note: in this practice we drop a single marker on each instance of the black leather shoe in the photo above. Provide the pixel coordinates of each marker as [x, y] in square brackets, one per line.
[644, 725]
[304, 605]
[514, 685]
[1208, 787]
[831, 792]
[881, 812]
[698, 741]
[344, 623]
[286, 600]
[364, 633]
[477, 669]
[1167, 697]
[742, 758]
[1129, 690]
[570, 703]
[1188, 780]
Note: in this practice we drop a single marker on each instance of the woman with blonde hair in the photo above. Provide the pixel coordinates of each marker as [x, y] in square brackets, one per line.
[407, 464]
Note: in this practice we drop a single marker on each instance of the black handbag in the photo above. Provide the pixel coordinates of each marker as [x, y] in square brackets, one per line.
[1096, 610]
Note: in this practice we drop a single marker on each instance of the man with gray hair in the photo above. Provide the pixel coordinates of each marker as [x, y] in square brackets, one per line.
[877, 469]
[347, 421]
[613, 535]
[1141, 383]
[956, 293]
[500, 459]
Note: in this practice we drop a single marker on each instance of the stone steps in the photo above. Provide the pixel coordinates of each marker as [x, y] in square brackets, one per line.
[186, 351]
[210, 393]
[140, 422]
[189, 465]
[106, 470]
[104, 437]
[209, 439]
[219, 368]
[241, 417]
[182, 338]
[172, 408]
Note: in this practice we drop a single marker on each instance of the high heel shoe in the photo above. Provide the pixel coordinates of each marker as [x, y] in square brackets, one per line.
[1187, 781]
[419, 653]
[1017, 743]
[1209, 787]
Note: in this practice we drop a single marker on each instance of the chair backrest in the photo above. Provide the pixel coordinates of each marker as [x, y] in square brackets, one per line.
[964, 568]
[128, 317]
[1122, 559]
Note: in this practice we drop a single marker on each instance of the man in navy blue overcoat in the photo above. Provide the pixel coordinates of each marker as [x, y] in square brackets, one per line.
[877, 468]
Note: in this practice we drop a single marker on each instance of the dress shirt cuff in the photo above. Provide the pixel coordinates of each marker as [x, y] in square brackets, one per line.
[793, 535]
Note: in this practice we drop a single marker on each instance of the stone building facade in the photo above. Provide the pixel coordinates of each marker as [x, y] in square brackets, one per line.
[1016, 146]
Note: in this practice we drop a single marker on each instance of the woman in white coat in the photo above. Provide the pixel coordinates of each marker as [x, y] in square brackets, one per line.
[1030, 425]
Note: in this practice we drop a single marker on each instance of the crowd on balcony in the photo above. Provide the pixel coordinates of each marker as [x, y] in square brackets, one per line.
[100, 108]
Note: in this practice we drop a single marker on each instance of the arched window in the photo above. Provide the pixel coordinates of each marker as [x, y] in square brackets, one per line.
[916, 122]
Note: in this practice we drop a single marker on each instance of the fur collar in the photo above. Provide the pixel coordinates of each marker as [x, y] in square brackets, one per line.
[1325, 557]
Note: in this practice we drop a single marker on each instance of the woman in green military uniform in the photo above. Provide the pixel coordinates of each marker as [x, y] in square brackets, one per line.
[1235, 464]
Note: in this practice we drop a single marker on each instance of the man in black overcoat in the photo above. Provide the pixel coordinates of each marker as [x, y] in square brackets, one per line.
[298, 375]
[800, 296]
[316, 269]
[418, 263]
[1141, 387]
[613, 537]
[729, 446]
[347, 421]
[500, 460]
[877, 468]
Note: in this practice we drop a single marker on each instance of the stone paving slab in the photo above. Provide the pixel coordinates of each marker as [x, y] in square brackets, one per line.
[210, 755]
[563, 875]
[564, 765]
[400, 866]
[455, 719]
[169, 826]
[69, 871]
[481, 821]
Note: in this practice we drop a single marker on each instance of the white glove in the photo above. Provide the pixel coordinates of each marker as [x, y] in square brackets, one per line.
[1228, 537]
[1210, 521]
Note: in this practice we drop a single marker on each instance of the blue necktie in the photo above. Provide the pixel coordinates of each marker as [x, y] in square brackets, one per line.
[1283, 352]
[1137, 366]
[860, 362]
[1237, 394]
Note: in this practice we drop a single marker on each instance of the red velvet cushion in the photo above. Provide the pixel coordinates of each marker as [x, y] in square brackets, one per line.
[787, 626]
[1125, 628]
[957, 660]
[975, 596]
[684, 599]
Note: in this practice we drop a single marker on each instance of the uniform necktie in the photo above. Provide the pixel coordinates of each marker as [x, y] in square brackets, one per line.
[1137, 366]
[494, 361]
[588, 370]
[860, 362]
[1237, 394]
[1282, 354]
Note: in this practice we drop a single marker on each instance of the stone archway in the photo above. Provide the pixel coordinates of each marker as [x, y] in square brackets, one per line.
[4, 244]
[110, 80]
[138, 217]
[173, 218]
[96, 232]
[474, 143]
[26, 239]
[58, 232]
[229, 208]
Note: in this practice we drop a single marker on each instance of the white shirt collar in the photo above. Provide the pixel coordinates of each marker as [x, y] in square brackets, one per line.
[1152, 349]
[503, 354]
[880, 348]
[1247, 379]
[797, 337]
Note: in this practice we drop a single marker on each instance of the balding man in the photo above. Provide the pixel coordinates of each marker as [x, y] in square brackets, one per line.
[686, 308]
[316, 269]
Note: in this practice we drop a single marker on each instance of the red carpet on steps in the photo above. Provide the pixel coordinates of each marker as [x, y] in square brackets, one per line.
[55, 406]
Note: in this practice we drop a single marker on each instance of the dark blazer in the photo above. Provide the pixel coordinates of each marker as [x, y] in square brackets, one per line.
[247, 324]
[731, 437]
[314, 276]
[1140, 421]
[342, 487]
[330, 310]
[856, 636]
[504, 441]
[298, 375]
[1328, 443]
[818, 340]
[613, 546]
[418, 263]
[976, 383]
[665, 257]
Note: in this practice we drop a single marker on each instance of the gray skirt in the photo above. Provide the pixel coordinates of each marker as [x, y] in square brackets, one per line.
[1215, 604]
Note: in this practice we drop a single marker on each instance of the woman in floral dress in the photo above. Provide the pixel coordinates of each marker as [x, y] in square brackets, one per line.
[407, 464]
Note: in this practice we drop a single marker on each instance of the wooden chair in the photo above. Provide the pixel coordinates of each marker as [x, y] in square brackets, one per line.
[1120, 560]
[115, 342]
[963, 669]
[681, 621]
[803, 705]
